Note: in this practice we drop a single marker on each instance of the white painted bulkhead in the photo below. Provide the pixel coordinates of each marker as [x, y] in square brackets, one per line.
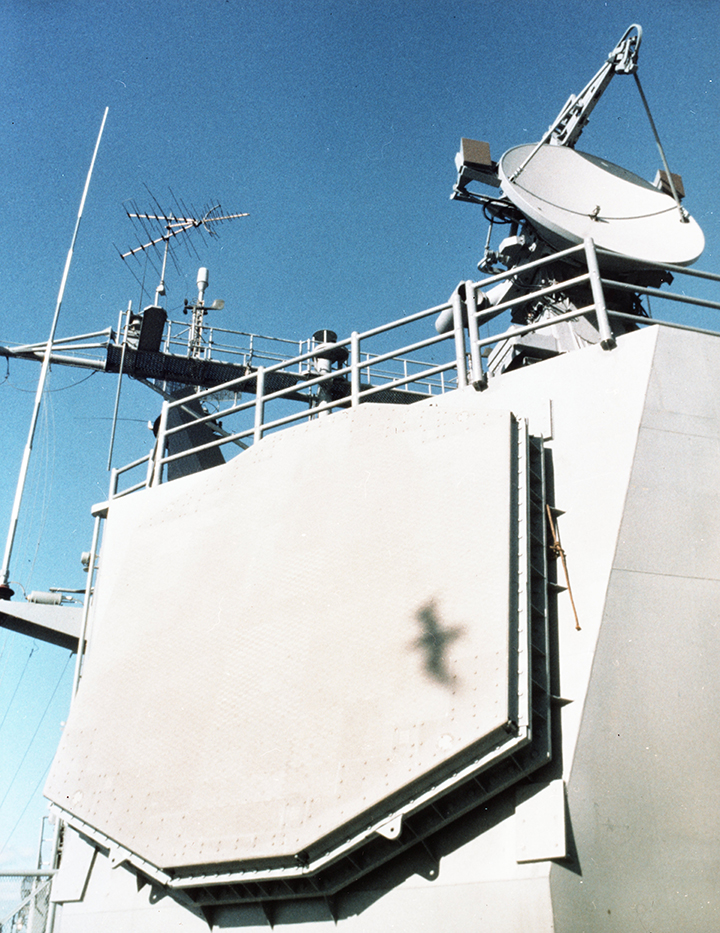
[633, 435]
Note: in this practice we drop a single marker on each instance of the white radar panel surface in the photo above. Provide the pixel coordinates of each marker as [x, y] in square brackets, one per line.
[570, 195]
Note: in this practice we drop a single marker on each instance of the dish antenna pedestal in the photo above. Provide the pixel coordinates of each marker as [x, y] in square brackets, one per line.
[555, 198]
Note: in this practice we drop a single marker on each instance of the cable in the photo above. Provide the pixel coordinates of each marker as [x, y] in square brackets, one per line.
[42, 718]
[73, 384]
[25, 808]
[683, 213]
[599, 217]
[60, 389]
[141, 282]
[6, 654]
[49, 438]
[17, 687]
[40, 481]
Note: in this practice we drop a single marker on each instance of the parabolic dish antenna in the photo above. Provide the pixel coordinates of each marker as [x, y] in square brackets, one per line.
[570, 195]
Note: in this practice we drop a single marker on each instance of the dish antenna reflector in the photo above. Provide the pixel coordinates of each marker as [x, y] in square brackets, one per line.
[570, 195]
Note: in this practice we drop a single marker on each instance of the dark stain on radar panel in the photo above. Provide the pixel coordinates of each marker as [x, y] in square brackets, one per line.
[435, 641]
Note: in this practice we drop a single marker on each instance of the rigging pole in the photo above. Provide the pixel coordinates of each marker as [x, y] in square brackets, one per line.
[5, 591]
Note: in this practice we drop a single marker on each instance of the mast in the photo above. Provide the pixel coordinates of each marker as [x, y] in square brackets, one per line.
[5, 590]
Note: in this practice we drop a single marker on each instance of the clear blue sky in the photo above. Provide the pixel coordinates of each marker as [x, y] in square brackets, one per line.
[335, 125]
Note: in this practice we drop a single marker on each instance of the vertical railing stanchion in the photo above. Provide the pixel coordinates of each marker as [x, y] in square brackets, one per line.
[259, 404]
[160, 446]
[151, 464]
[607, 341]
[476, 373]
[113, 482]
[459, 331]
[86, 605]
[123, 338]
[54, 860]
[354, 369]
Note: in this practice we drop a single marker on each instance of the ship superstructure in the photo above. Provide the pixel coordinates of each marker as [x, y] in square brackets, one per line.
[457, 609]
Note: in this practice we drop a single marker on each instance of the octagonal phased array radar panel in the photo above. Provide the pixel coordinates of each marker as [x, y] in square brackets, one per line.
[367, 649]
[570, 195]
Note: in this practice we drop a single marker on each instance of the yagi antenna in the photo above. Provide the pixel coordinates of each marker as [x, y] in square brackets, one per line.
[177, 225]
[174, 227]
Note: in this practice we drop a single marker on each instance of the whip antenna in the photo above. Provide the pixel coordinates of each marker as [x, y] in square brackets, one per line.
[5, 591]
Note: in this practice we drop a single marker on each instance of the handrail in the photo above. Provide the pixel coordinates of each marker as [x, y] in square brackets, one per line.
[656, 293]
[654, 322]
[307, 383]
[363, 394]
[465, 361]
[670, 267]
[215, 349]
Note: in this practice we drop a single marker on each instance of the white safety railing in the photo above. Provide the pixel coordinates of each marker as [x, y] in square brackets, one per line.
[254, 350]
[317, 390]
[25, 901]
[237, 346]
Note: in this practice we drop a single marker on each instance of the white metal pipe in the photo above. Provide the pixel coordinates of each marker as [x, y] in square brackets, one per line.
[416, 317]
[55, 858]
[653, 322]
[86, 605]
[5, 572]
[78, 362]
[61, 345]
[298, 416]
[354, 369]
[218, 442]
[366, 393]
[143, 485]
[380, 358]
[607, 341]
[119, 386]
[459, 335]
[670, 296]
[135, 463]
[61, 341]
[150, 467]
[672, 267]
[52, 910]
[259, 405]
[160, 445]
[527, 266]
[473, 334]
